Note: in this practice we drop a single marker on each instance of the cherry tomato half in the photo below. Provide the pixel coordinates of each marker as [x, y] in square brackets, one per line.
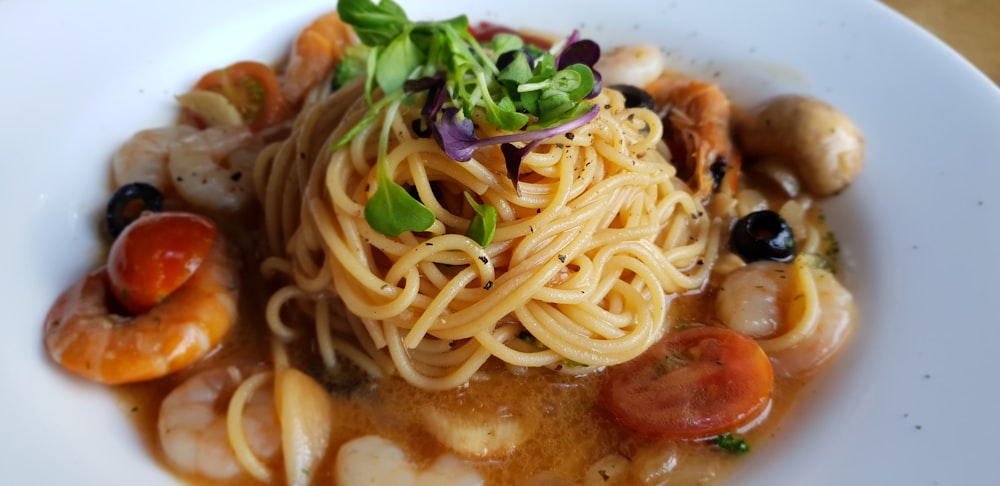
[155, 255]
[253, 88]
[696, 382]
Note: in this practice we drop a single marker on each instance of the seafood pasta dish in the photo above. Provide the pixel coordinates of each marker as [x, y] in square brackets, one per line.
[452, 252]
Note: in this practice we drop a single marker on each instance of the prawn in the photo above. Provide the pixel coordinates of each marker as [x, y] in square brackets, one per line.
[208, 169]
[316, 51]
[89, 339]
[144, 157]
[697, 119]
[375, 461]
[212, 169]
[799, 314]
[193, 429]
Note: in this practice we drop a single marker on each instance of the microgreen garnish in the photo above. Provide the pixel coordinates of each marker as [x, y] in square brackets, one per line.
[520, 88]
[392, 210]
[483, 224]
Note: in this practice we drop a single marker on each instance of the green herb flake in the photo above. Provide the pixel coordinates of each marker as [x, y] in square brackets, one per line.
[604, 474]
[731, 443]
[135, 408]
[530, 339]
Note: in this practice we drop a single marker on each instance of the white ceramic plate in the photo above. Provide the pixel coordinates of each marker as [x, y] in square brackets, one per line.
[912, 401]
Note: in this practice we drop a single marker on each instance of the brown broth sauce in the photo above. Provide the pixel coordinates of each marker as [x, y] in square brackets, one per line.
[569, 430]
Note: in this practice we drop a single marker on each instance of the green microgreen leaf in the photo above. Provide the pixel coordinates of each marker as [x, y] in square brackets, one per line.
[484, 224]
[392, 210]
[516, 73]
[503, 115]
[576, 80]
[375, 25]
[369, 118]
[504, 42]
[553, 119]
[397, 62]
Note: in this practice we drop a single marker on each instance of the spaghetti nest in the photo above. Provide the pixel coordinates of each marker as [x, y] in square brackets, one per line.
[581, 269]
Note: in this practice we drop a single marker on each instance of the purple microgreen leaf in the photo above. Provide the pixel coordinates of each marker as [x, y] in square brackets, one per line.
[456, 137]
[513, 157]
[585, 52]
[413, 86]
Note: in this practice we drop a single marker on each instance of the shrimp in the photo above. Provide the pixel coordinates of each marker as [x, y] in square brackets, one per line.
[209, 169]
[193, 429]
[373, 460]
[637, 65]
[316, 51]
[143, 158]
[212, 169]
[799, 314]
[87, 338]
[697, 116]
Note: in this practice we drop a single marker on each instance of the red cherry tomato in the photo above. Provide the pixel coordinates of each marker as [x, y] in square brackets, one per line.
[254, 90]
[697, 382]
[155, 255]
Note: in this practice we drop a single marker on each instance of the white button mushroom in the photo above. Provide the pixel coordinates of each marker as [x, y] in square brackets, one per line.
[821, 144]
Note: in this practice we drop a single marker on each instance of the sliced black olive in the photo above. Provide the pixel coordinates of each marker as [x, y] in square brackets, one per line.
[128, 202]
[763, 235]
[635, 97]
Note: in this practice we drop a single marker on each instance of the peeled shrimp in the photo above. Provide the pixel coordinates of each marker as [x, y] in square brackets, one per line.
[800, 315]
[375, 461]
[316, 51]
[697, 116]
[87, 338]
[209, 169]
[637, 65]
[144, 157]
[212, 169]
[193, 428]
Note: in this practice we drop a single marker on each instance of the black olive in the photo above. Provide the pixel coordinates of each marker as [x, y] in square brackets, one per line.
[763, 235]
[635, 97]
[128, 202]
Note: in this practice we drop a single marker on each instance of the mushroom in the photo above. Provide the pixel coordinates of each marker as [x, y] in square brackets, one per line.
[817, 141]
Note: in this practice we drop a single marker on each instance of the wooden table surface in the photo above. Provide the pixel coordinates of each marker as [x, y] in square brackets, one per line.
[971, 27]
